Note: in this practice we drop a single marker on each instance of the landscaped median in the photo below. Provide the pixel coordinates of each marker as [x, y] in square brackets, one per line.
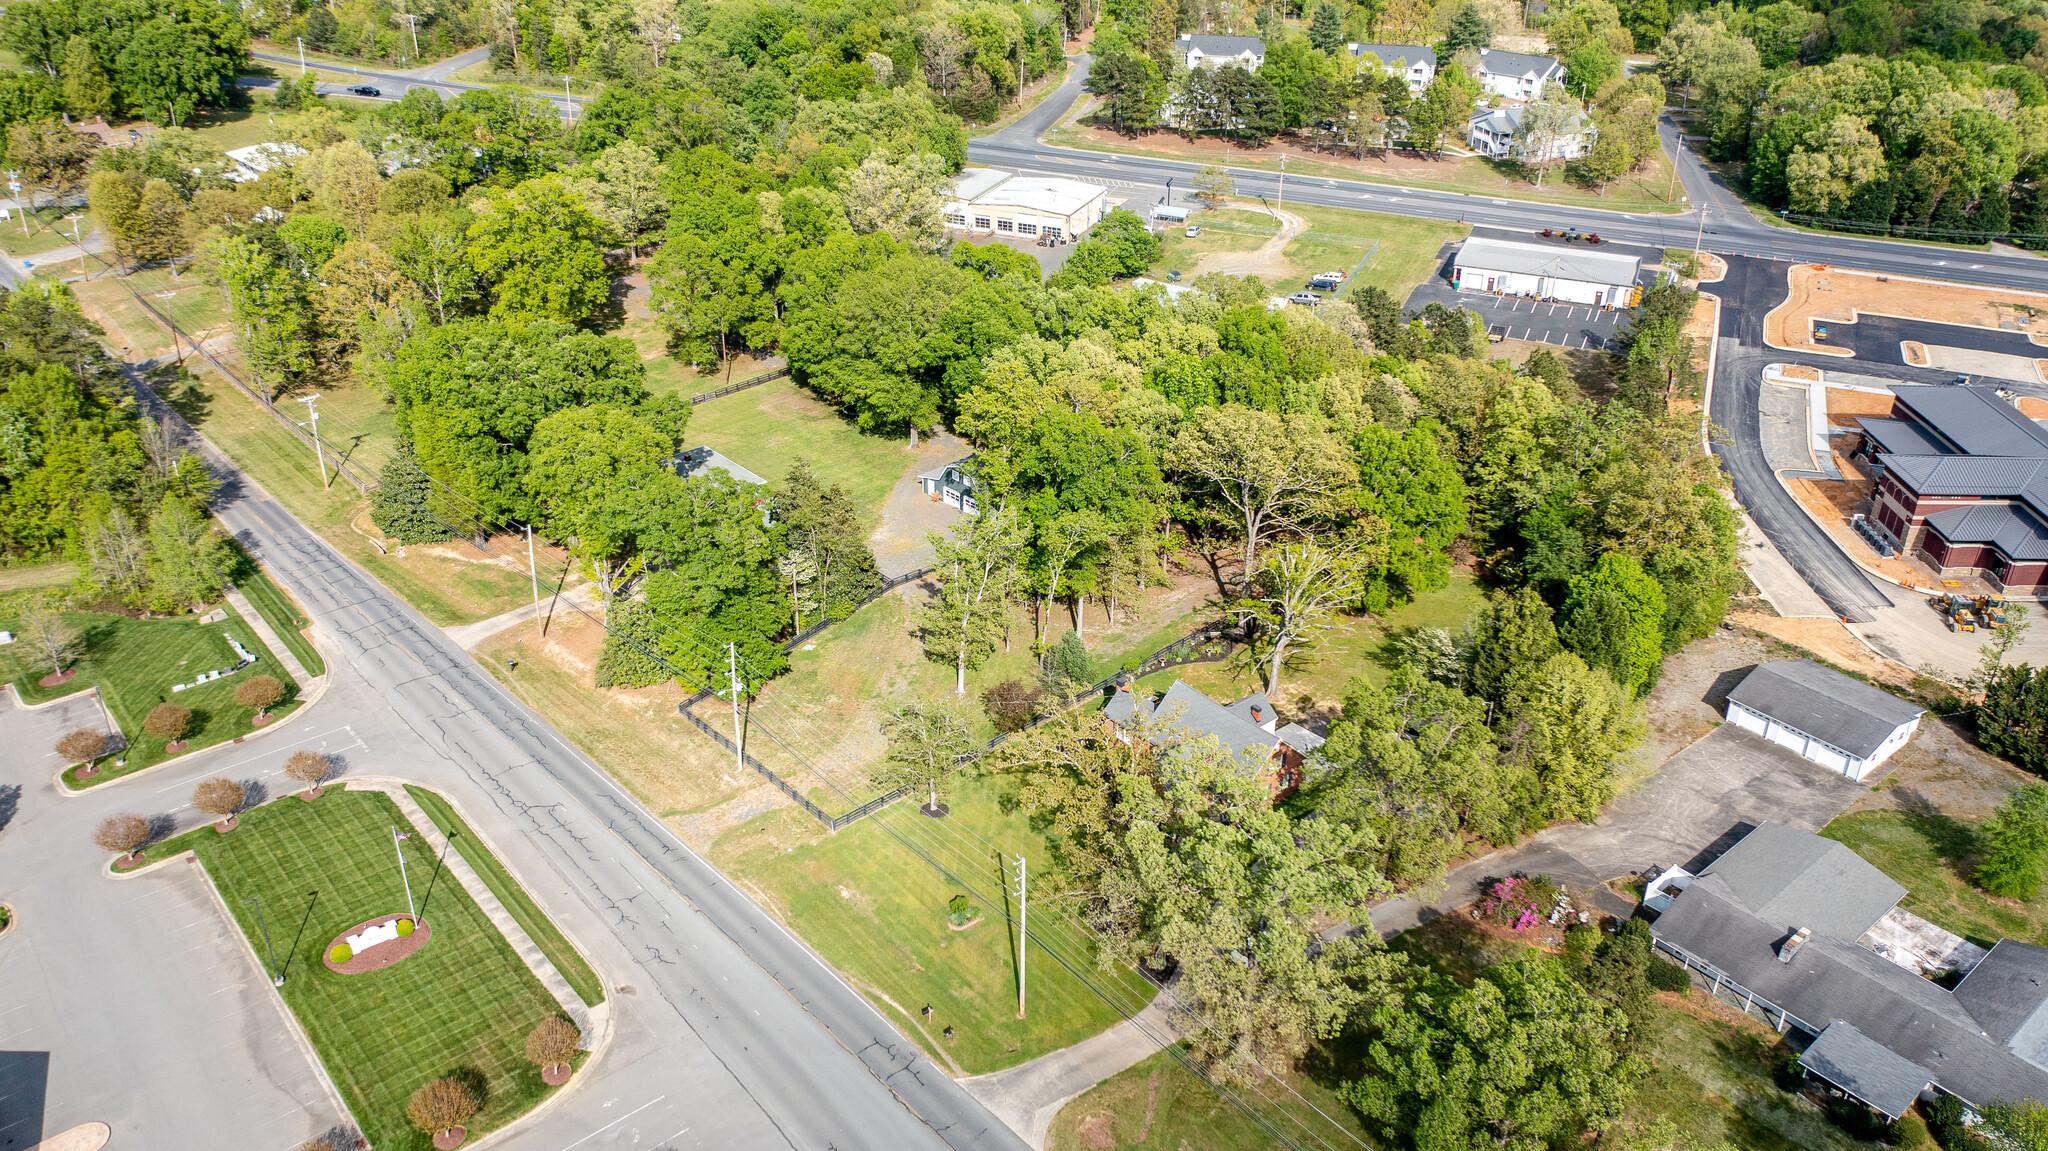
[137, 664]
[302, 877]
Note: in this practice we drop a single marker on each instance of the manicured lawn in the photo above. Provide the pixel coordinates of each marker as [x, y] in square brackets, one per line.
[1158, 1105]
[47, 232]
[463, 1005]
[134, 662]
[284, 617]
[42, 575]
[1933, 856]
[877, 912]
[1337, 238]
[523, 909]
[765, 429]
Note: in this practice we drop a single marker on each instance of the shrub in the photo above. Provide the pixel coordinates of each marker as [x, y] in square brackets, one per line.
[440, 1106]
[121, 833]
[340, 953]
[1668, 976]
[957, 905]
[1066, 665]
[82, 746]
[167, 722]
[308, 767]
[219, 796]
[1012, 704]
[261, 692]
[553, 1043]
[404, 928]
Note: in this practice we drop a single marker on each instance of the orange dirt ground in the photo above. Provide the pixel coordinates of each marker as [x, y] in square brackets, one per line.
[1819, 293]
[1825, 638]
[1844, 404]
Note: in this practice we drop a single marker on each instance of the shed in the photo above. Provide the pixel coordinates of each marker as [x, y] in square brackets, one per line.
[1602, 279]
[1841, 723]
[953, 484]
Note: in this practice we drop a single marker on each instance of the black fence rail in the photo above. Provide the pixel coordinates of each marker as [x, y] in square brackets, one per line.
[743, 385]
[817, 629]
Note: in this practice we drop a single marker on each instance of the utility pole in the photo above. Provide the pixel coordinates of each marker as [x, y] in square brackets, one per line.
[276, 976]
[400, 852]
[1023, 925]
[313, 412]
[1283, 181]
[1702, 237]
[412, 22]
[302, 55]
[739, 748]
[568, 98]
[533, 571]
[1677, 158]
[14, 185]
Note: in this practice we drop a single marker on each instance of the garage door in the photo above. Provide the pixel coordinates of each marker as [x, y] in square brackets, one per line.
[1746, 719]
[1828, 757]
[1780, 734]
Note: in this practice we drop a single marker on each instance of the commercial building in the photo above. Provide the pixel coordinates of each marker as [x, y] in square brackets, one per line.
[1412, 62]
[1246, 52]
[1006, 204]
[1496, 132]
[1801, 932]
[1546, 272]
[1962, 481]
[1515, 75]
[1828, 718]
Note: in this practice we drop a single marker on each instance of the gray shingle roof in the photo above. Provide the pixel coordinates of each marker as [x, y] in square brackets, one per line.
[1792, 879]
[1904, 437]
[1388, 53]
[1223, 45]
[1976, 420]
[1198, 715]
[1825, 704]
[1517, 63]
[2007, 992]
[1544, 260]
[697, 460]
[2008, 527]
[1865, 1068]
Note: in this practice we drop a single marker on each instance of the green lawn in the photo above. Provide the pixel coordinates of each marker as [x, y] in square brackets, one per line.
[765, 429]
[461, 1006]
[59, 574]
[43, 233]
[1158, 1105]
[283, 616]
[1933, 856]
[518, 903]
[877, 912]
[134, 662]
[1337, 238]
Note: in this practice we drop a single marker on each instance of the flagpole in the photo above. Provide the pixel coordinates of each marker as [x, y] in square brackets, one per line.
[395, 837]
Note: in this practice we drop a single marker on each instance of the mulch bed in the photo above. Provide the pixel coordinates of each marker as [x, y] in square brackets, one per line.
[57, 677]
[259, 721]
[556, 1075]
[384, 954]
[450, 1139]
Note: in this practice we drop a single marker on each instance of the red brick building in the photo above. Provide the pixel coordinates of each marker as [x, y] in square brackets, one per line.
[1962, 483]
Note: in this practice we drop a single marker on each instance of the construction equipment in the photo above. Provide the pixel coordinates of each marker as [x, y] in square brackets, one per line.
[1963, 620]
[1989, 610]
[1958, 610]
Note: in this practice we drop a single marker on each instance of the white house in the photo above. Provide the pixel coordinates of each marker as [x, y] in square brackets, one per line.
[1843, 724]
[1492, 133]
[992, 200]
[1246, 52]
[1546, 272]
[1412, 62]
[1516, 75]
[251, 162]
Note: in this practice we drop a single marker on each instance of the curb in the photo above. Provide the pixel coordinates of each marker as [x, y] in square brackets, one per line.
[13, 919]
[318, 686]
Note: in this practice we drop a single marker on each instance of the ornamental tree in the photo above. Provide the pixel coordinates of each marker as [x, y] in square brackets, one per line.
[553, 1043]
[167, 722]
[83, 745]
[219, 796]
[122, 833]
[308, 767]
[261, 692]
[440, 1106]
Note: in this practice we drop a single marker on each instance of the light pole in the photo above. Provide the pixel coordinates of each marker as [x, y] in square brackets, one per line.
[739, 753]
[1702, 237]
[276, 976]
[313, 413]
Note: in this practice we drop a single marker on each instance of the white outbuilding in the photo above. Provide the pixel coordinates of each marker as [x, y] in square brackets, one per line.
[1838, 722]
[1571, 275]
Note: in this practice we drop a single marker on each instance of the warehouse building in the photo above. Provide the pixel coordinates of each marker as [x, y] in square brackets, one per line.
[1034, 207]
[1568, 275]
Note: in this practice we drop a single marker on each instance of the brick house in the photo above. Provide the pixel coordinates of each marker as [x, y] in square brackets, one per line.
[1962, 481]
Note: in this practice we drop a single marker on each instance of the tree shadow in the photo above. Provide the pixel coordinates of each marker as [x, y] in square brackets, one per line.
[610, 315]
[1953, 841]
[10, 802]
[162, 826]
[478, 1083]
[255, 793]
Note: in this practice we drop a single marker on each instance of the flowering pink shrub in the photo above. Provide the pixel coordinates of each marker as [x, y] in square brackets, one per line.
[1516, 904]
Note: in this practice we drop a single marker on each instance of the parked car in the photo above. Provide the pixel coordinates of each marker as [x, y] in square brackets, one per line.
[364, 90]
[1305, 299]
[1194, 230]
[1326, 281]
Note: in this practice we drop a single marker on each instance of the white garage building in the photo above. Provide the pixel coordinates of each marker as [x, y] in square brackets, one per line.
[1570, 275]
[1843, 724]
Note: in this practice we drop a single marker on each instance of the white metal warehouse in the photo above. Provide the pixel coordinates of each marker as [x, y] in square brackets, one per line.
[1569, 275]
[1836, 721]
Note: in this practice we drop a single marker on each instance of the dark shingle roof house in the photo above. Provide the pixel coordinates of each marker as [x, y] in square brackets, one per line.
[1249, 729]
[1834, 720]
[1777, 925]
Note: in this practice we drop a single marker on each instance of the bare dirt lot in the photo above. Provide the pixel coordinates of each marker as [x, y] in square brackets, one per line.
[1824, 293]
[1940, 768]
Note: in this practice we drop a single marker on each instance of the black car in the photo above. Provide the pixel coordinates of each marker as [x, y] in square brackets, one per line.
[364, 90]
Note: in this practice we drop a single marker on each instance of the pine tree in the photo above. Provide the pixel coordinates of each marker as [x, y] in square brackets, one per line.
[1326, 28]
[399, 505]
[87, 91]
[2016, 836]
[632, 635]
[1469, 29]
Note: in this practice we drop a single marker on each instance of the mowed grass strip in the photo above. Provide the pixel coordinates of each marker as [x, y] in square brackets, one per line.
[1934, 855]
[135, 662]
[877, 911]
[518, 903]
[461, 1006]
[765, 429]
[283, 616]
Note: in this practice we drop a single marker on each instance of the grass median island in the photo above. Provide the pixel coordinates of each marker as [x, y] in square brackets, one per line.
[878, 913]
[461, 1006]
[135, 662]
[518, 903]
[283, 616]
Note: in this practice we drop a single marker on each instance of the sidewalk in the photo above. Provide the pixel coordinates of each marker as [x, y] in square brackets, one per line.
[1029, 1096]
[269, 636]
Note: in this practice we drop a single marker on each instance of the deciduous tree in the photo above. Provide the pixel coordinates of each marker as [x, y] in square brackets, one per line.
[261, 692]
[82, 746]
[52, 638]
[121, 834]
[440, 1106]
[553, 1044]
[535, 245]
[976, 570]
[1298, 598]
[219, 797]
[926, 740]
[1267, 473]
[167, 722]
[309, 767]
[2016, 844]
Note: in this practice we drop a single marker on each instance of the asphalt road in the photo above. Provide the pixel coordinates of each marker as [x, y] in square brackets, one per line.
[1877, 338]
[726, 1030]
[394, 85]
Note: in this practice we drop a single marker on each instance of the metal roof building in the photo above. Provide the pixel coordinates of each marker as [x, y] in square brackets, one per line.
[1545, 271]
[992, 200]
[1836, 721]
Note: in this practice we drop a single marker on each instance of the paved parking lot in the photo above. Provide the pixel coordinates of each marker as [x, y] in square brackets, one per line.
[1517, 318]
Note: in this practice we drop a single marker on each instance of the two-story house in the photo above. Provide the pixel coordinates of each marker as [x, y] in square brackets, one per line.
[1412, 62]
[1246, 52]
[1516, 75]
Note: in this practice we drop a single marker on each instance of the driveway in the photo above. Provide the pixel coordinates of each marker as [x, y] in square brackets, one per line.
[1698, 802]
